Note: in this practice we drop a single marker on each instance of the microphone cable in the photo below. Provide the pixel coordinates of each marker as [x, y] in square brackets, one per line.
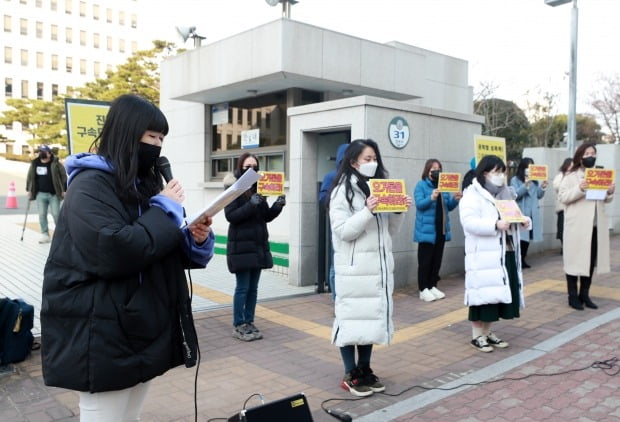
[610, 367]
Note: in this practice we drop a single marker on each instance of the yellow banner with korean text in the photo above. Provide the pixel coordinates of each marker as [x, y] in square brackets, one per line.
[538, 172]
[509, 210]
[489, 145]
[449, 182]
[600, 179]
[391, 194]
[84, 122]
[271, 183]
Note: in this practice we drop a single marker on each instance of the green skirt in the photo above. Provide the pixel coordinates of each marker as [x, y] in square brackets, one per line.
[493, 312]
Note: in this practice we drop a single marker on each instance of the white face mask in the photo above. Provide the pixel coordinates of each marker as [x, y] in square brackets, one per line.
[368, 169]
[497, 179]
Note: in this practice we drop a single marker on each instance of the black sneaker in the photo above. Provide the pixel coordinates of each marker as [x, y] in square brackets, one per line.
[495, 341]
[254, 331]
[243, 333]
[353, 382]
[480, 343]
[371, 380]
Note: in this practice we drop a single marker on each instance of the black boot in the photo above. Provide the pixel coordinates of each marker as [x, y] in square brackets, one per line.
[573, 299]
[584, 293]
[524, 247]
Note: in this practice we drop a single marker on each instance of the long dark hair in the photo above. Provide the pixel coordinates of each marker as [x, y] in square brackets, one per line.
[566, 165]
[579, 155]
[346, 169]
[488, 163]
[239, 171]
[523, 165]
[129, 117]
[427, 167]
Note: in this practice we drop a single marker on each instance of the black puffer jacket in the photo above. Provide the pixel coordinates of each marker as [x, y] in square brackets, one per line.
[114, 292]
[248, 238]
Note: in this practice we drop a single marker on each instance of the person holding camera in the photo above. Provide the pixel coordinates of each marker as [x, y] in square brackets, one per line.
[247, 248]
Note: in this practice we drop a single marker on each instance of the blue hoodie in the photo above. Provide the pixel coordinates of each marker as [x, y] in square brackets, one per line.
[77, 163]
[329, 177]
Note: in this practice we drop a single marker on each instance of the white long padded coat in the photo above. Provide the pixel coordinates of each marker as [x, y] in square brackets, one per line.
[486, 278]
[364, 269]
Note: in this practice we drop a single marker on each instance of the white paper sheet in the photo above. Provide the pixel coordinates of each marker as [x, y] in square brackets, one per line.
[596, 194]
[242, 184]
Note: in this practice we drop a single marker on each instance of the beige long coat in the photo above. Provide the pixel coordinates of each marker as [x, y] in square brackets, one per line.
[579, 216]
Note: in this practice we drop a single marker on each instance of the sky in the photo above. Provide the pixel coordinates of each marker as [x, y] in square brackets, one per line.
[522, 47]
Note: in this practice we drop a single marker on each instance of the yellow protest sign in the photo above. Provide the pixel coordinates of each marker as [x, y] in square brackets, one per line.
[391, 194]
[600, 179]
[271, 183]
[449, 182]
[509, 210]
[84, 122]
[538, 172]
[489, 145]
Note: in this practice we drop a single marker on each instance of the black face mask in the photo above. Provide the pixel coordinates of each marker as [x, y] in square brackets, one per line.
[147, 156]
[588, 162]
[43, 155]
[435, 177]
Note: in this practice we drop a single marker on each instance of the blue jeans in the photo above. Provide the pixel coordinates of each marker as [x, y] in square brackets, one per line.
[364, 351]
[332, 275]
[45, 200]
[246, 293]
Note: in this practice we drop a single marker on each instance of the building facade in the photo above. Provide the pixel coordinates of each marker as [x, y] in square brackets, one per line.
[49, 46]
[306, 90]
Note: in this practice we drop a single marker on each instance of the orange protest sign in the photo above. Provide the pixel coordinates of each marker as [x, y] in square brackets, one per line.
[509, 210]
[538, 172]
[271, 183]
[449, 182]
[391, 193]
[600, 178]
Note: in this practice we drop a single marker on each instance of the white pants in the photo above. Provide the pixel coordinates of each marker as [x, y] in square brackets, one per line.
[113, 406]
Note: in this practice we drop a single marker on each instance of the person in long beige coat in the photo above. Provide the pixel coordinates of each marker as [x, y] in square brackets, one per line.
[586, 234]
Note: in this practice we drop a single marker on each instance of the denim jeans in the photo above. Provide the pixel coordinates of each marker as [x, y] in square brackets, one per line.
[364, 351]
[45, 200]
[332, 275]
[246, 293]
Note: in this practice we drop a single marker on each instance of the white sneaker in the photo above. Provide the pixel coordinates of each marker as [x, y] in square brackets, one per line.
[45, 238]
[437, 293]
[427, 296]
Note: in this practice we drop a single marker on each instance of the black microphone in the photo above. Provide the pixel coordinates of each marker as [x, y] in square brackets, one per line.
[344, 417]
[164, 168]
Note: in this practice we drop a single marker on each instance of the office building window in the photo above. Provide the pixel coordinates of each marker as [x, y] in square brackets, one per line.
[83, 38]
[39, 60]
[68, 6]
[134, 21]
[24, 89]
[68, 35]
[39, 90]
[121, 18]
[96, 40]
[23, 1]
[121, 46]
[82, 67]
[54, 4]
[54, 32]
[109, 15]
[96, 12]
[83, 9]
[39, 27]
[7, 23]
[54, 91]
[8, 55]
[97, 69]
[54, 61]
[23, 26]
[24, 57]
[134, 46]
[109, 43]
[8, 87]
[69, 64]
[39, 3]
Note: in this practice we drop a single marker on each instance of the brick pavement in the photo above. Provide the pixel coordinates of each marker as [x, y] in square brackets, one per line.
[430, 348]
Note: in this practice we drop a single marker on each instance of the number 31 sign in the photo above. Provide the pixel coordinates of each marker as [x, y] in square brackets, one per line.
[398, 132]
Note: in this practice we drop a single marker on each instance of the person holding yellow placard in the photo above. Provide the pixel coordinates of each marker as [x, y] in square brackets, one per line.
[529, 193]
[585, 247]
[493, 278]
[432, 228]
[363, 263]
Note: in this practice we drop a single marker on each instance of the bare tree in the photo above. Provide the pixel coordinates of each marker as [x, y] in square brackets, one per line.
[606, 100]
[541, 112]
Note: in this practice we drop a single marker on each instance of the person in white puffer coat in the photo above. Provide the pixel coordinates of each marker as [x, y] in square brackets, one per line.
[493, 278]
[363, 265]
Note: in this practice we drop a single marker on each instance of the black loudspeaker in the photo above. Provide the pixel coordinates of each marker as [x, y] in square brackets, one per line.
[289, 409]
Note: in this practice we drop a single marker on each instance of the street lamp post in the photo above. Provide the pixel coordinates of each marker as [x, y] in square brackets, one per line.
[572, 84]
